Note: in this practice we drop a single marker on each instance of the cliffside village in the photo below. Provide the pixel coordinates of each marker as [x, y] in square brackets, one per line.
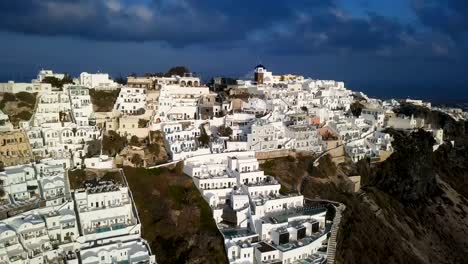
[220, 132]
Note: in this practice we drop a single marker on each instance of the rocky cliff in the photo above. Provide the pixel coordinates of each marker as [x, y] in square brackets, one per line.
[412, 208]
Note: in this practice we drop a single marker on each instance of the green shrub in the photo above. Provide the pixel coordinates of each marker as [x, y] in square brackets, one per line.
[103, 100]
[113, 143]
[7, 97]
[28, 98]
[23, 104]
[24, 115]
[134, 141]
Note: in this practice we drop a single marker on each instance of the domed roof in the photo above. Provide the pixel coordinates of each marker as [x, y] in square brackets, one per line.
[260, 66]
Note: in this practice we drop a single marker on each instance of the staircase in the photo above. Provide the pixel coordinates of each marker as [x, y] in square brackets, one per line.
[331, 248]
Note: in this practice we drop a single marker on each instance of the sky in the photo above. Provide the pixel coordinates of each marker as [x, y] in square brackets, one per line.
[386, 48]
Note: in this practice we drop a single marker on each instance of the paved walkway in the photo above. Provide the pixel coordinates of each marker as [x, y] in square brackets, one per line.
[164, 164]
[331, 247]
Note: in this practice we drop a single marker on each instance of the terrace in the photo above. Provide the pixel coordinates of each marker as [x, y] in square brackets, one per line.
[312, 259]
[264, 247]
[37, 232]
[237, 233]
[103, 207]
[261, 199]
[283, 216]
[262, 183]
[302, 242]
[7, 242]
[13, 257]
[108, 228]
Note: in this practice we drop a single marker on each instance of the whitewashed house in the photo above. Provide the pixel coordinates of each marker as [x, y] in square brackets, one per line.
[177, 102]
[105, 210]
[131, 101]
[100, 81]
[265, 226]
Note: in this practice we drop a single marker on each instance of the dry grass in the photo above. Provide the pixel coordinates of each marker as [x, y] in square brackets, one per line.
[176, 221]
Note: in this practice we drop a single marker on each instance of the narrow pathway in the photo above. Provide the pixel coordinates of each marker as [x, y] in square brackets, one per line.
[331, 247]
[164, 164]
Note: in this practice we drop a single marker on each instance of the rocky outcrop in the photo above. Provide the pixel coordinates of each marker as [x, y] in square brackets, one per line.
[412, 208]
[408, 175]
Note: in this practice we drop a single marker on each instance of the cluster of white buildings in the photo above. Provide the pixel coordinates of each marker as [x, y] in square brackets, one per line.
[269, 113]
[258, 223]
[178, 102]
[48, 228]
[110, 229]
[131, 101]
[98, 81]
[217, 135]
[43, 220]
[62, 124]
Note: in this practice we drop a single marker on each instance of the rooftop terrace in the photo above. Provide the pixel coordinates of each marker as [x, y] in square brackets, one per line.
[283, 216]
[236, 233]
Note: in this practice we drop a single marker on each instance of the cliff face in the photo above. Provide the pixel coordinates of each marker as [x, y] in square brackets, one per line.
[408, 175]
[436, 119]
[412, 208]
[176, 221]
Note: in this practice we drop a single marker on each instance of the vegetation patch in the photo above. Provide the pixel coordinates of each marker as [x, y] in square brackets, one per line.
[103, 101]
[79, 177]
[113, 143]
[56, 82]
[19, 106]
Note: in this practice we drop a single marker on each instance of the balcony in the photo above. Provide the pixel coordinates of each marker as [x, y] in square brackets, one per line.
[68, 226]
[10, 242]
[32, 235]
[36, 252]
[67, 239]
[108, 228]
[19, 258]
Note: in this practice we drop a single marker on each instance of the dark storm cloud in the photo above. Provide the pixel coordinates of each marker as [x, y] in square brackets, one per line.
[446, 16]
[299, 26]
[175, 21]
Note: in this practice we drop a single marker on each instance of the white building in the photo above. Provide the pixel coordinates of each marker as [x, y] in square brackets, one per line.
[132, 252]
[62, 124]
[374, 116]
[177, 102]
[13, 87]
[241, 125]
[131, 101]
[48, 73]
[44, 181]
[259, 225]
[182, 140]
[5, 124]
[81, 106]
[105, 211]
[405, 123]
[373, 146]
[97, 81]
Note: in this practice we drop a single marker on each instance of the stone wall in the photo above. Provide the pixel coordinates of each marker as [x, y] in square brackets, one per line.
[273, 154]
